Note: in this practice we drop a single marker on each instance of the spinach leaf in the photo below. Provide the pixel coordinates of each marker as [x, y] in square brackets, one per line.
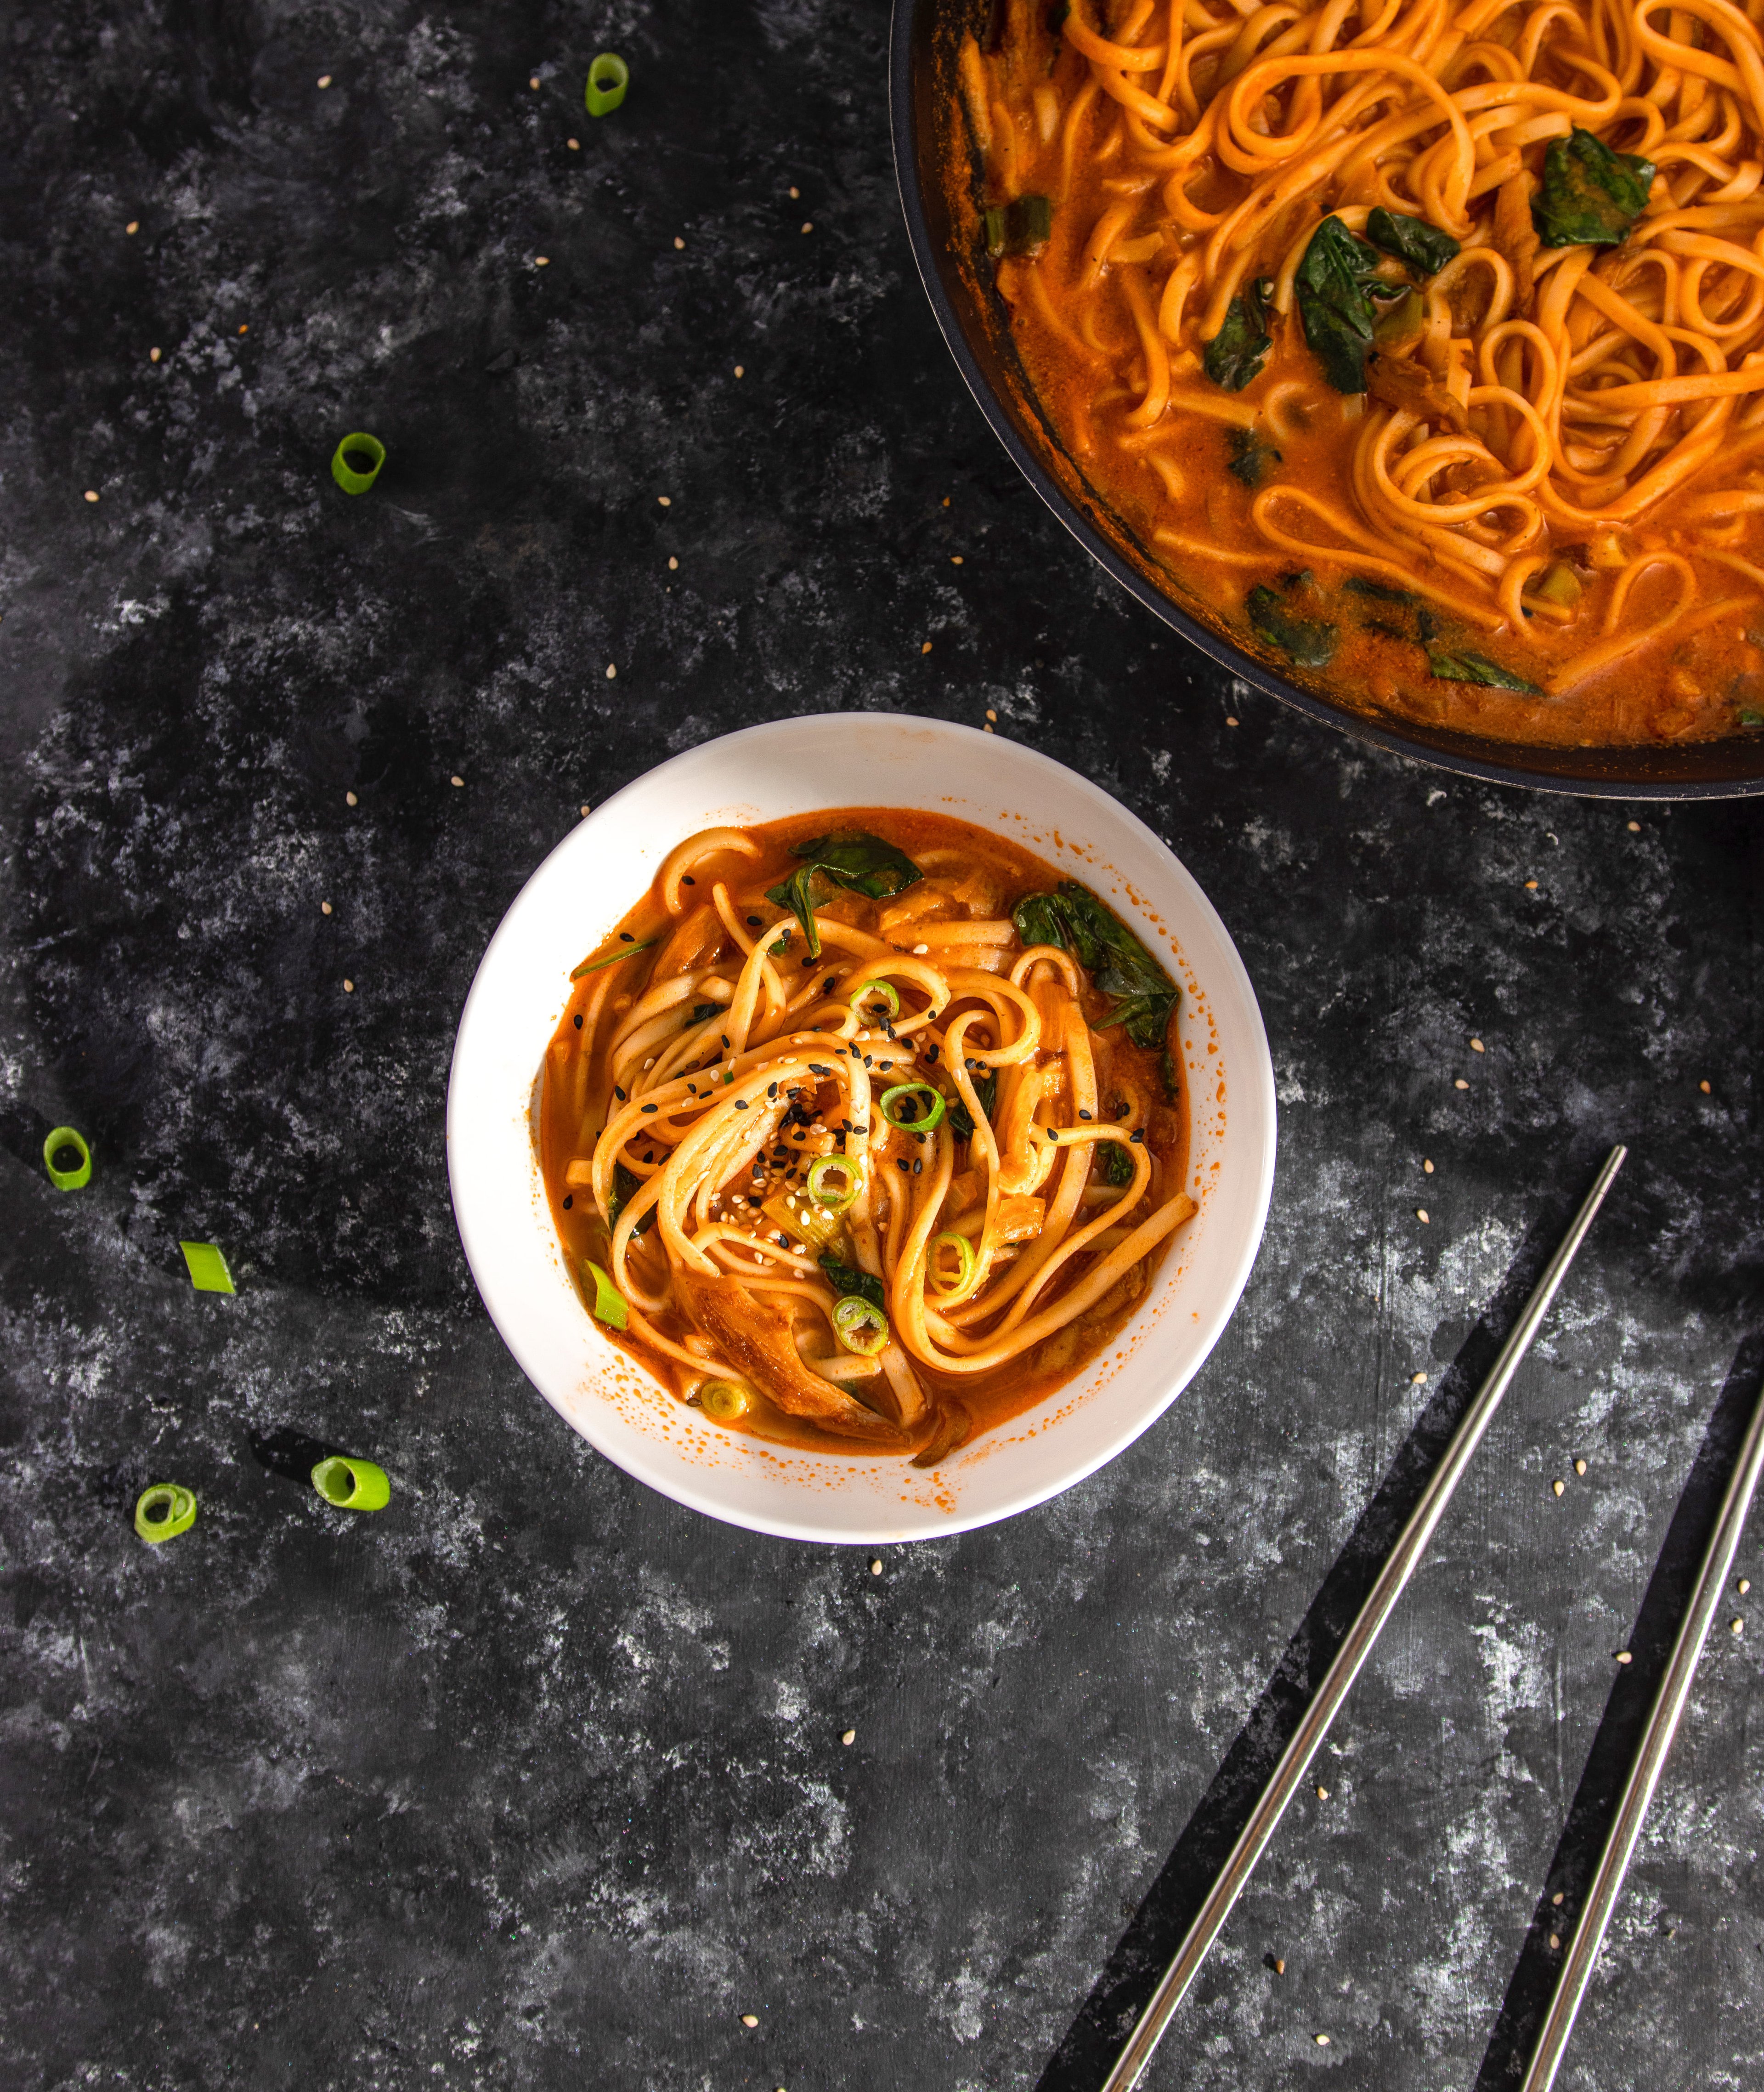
[1590, 196]
[1250, 456]
[1477, 668]
[1422, 247]
[846, 1279]
[700, 1011]
[1335, 304]
[1234, 354]
[1023, 225]
[626, 1186]
[1115, 1163]
[1379, 591]
[986, 1088]
[1117, 962]
[865, 864]
[1310, 643]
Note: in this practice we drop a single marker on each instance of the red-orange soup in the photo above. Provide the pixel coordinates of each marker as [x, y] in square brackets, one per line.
[881, 1198]
[1422, 342]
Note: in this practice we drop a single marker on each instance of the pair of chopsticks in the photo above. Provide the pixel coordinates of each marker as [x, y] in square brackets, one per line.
[1643, 1775]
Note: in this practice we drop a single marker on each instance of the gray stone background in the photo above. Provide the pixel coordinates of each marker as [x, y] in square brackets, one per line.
[535, 1780]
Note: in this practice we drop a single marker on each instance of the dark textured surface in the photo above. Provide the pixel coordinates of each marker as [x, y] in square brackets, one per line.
[536, 1780]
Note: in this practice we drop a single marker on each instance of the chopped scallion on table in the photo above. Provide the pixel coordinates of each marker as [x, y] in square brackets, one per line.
[356, 462]
[352, 1485]
[61, 1144]
[608, 77]
[208, 1268]
[164, 1511]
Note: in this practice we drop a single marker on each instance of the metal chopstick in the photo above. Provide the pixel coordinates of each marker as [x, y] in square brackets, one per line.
[1650, 1757]
[1398, 1567]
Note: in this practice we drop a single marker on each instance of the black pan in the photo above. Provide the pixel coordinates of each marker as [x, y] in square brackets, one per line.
[929, 137]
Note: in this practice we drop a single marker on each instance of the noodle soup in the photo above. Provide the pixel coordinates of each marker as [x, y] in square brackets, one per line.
[1423, 343]
[863, 1129]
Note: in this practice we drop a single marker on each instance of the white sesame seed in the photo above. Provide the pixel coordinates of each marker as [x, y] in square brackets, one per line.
[808, 226]
[750, 2019]
[324, 908]
[574, 144]
[1580, 1466]
[90, 495]
[678, 241]
[1428, 1167]
[1624, 1657]
[133, 227]
[1322, 1794]
[1322, 2040]
[534, 81]
[324, 79]
[351, 800]
[673, 564]
[612, 670]
[1746, 1586]
[1555, 1941]
[460, 781]
[1558, 1487]
[849, 1737]
[1459, 1084]
[152, 356]
[586, 811]
[1420, 1213]
[794, 194]
[1418, 1380]
[875, 1567]
[1738, 1626]
[349, 987]
[1635, 827]
[664, 500]
[920, 950]
[542, 261]
[1477, 1047]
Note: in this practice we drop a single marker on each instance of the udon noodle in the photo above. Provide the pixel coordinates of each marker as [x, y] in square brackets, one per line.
[1423, 338]
[864, 1128]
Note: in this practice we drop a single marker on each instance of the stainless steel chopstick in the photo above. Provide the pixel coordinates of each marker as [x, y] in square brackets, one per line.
[1651, 1756]
[1392, 1578]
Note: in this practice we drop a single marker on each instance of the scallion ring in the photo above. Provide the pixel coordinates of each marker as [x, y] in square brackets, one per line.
[885, 989]
[58, 1143]
[352, 1485]
[164, 1511]
[350, 477]
[827, 1193]
[724, 1400]
[608, 1301]
[608, 77]
[860, 1325]
[889, 1100]
[938, 1275]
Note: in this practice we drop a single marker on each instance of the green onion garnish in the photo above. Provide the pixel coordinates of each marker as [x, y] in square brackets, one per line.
[357, 478]
[608, 77]
[608, 1301]
[883, 988]
[624, 952]
[939, 1275]
[208, 1268]
[163, 1512]
[62, 1139]
[889, 1107]
[833, 1194]
[352, 1485]
[860, 1325]
[724, 1400]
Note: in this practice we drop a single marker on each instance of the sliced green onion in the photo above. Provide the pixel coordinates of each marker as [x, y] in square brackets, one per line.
[351, 477]
[608, 1301]
[885, 989]
[608, 77]
[352, 1485]
[938, 1275]
[933, 1113]
[834, 1197]
[860, 1325]
[164, 1511]
[67, 1180]
[724, 1400]
[208, 1268]
[624, 952]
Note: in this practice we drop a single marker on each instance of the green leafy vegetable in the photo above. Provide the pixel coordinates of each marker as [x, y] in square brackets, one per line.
[1590, 196]
[1335, 304]
[609, 958]
[1117, 962]
[1114, 1162]
[986, 1085]
[1023, 225]
[1309, 641]
[1420, 246]
[1379, 591]
[1250, 456]
[865, 864]
[1752, 718]
[626, 1184]
[1477, 668]
[852, 1284]
[1234, 354]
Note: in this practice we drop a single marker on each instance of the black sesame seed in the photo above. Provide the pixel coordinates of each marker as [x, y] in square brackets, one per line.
[902, 1163]
[771, 1089]
[619, 1094]
[845, 1125]
[687, 880]
[930, 1053]
[917, 1169]
[1084, 1114]
[815, 1068]
[740, 1105]
[726, 1038]
[753, 922]
[648, 1157]
[625, 937]
[651, 1108]
[1137, 1134]
[868, 1062]
[826, 985]
[569, 1200]
[579, 1020]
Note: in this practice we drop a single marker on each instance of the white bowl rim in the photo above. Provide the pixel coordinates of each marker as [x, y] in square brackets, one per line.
[1228, 980]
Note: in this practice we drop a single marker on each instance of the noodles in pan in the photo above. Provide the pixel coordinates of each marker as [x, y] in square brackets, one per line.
[864, 1128]
[1423, 339]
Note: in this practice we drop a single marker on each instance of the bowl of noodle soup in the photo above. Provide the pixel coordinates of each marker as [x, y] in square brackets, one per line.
[554, 1227]
[1408, 358]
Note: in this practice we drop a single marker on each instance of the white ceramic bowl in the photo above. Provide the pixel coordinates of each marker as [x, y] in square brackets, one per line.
[599, 871]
